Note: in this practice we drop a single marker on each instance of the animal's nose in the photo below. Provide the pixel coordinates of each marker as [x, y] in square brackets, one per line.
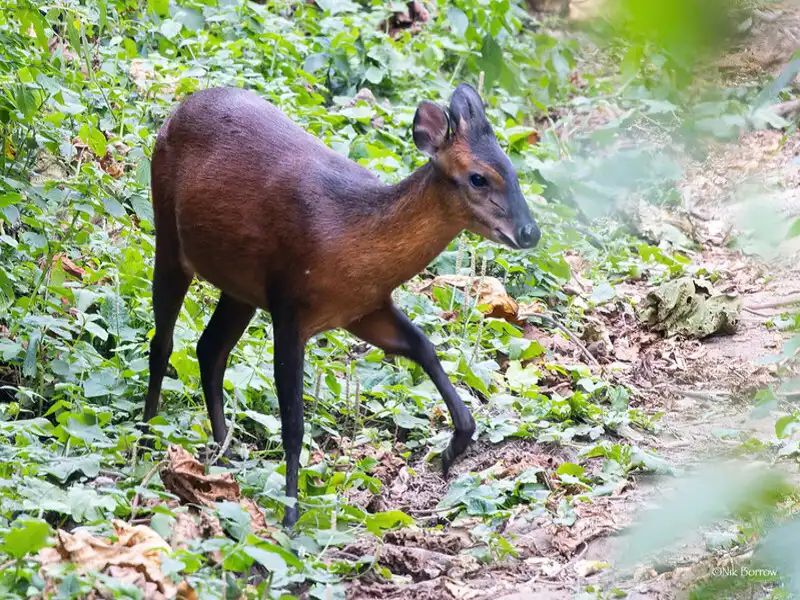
[528, 235]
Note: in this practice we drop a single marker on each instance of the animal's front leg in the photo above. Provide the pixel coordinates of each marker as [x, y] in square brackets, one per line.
[391, 330]
[289, 350]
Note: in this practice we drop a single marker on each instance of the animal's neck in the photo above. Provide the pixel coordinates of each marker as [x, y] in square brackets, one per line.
[418, 218]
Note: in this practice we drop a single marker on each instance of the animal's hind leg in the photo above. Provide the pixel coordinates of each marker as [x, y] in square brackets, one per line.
[226, 326]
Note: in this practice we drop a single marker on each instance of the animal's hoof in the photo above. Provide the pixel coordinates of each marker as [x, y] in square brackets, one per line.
[446, 463]
[458, 444]
[290, 516]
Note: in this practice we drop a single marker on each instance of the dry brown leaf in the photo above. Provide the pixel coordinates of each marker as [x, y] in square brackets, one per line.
[491, 293]
[142, 72]
[594, 520]
[110, 166]
[70, 268]
[411, 19]
[201, 526]
[185, 477]
[134, 557]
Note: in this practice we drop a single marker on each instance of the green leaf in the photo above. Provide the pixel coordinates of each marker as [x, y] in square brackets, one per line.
[170, 28]
[491, 61]
[63, 468]
[9, 198]
[235, 518]
[31, 352]
[794, 230]
[332, 537]
[521, 378]
[458, 20]
[358, 113]
[85, 432]
[160, 7]
[374, 75]
[190, 18]
[782, 424]
[602, 293]
[27, 535]
[271, 561]
[143, 208]
[630, 64]
[378, 522]
[270, 423]
[314, 62]
[94, 138]
[570, 469]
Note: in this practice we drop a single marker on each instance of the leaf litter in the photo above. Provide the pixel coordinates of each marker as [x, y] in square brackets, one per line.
[133, 556]
[185, 476]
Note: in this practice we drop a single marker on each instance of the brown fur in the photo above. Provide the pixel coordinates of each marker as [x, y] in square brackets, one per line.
[255, 204]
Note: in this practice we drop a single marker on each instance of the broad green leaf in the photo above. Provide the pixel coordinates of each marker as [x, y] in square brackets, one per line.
[271, 561]
[159, 7]
[378, 522]
[794, 230]
[783, 424]
[26, 536]
[458, 20]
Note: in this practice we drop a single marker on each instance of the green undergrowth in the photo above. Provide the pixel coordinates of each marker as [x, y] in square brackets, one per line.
[85, 87]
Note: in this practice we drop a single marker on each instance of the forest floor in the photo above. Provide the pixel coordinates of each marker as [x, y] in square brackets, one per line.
[705, 390]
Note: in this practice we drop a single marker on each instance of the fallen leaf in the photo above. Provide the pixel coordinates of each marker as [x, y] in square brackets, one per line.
[594, 520]
[418, 563]
[411, 19]
[134, 557]
[110, 166]
[584, 568]
[70, 268]
[185, 477]
[491, 294]
[202, 526]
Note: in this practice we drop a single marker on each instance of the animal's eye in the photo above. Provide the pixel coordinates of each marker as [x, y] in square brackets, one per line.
[477, 181]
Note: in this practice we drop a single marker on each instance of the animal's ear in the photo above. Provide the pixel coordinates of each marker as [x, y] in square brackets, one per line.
[431, 128]
[466, 106]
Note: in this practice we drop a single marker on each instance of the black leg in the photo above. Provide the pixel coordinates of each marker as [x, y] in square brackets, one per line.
[390, 329]
[224, 329]
[170, 283]
[289, 350]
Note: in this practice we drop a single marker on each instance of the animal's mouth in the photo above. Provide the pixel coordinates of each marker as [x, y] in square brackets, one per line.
[504, 238]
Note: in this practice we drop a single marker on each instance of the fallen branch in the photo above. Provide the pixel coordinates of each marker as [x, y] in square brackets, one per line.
[710, 396]
[574, 338]
[226, 443]
[790, 301]
[756, 313]
[145, 481]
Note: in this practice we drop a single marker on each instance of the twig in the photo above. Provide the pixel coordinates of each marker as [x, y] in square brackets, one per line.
[145, 481]
[574, 338]
[8, 564]
[755, 312]
[228, 436]
[790, 301]
[574, 559]
[429, 511]
[699, 394]
[481, 78]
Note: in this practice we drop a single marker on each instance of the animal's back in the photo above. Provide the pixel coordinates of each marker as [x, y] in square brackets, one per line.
[246, 187]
